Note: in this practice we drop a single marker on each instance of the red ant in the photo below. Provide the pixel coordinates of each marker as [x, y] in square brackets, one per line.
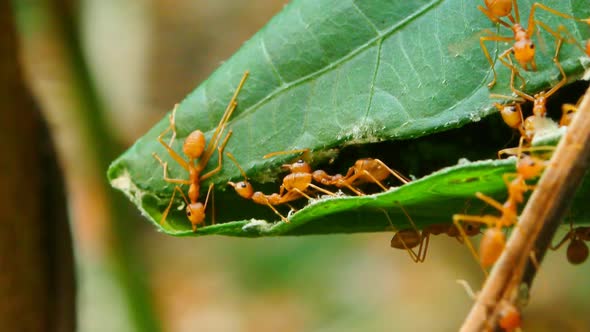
[410, 238]
[366, 170]
[512, 114]
[493, 241]
[194, 148]
[577, 250]
[295, 186]
[523, 48]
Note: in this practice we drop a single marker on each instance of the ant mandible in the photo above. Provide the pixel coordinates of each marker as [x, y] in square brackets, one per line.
[493, 241]
[295, 186]
[577, 249]
[194, 148]
[523, 48]
[366, 170]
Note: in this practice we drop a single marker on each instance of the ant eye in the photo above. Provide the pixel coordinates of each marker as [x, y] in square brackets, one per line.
[188, 212]
[532, 46]
[300, 161]
[242, 185]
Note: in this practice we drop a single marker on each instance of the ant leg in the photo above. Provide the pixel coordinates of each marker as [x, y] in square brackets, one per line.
[165, 214]
[398, 175]
[514, 72]
[531, 20]
[490, 201]
[300, 193]
[206, 201]
[321, 189]
[487, 220]
[516, 12]
[423, 248]
[350, 187]
[276, 153]
[424, 239]
[520, 93]
[219, 158]
[172, 120]
[562, 242]
[487, 53]
[277, 212]
[415, 257]
[165, 168]
[561, 33]
[214, 142]
[495, 18]
[183, 163]
[563, 80]
[367, 173]
[570, 234]
[231, 106]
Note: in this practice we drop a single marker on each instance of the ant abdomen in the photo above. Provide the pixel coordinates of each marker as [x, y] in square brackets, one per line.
[577, 251]
[491, 246]
[194, 144]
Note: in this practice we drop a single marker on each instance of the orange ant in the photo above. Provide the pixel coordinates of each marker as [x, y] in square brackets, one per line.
[512, 114]
[496, 9]
[523, 48]
[577, 250]
[410, 238]
[568, 111]
[366, 170]
[510, 316]
[295, 185]
[194, 148]
[493, 240]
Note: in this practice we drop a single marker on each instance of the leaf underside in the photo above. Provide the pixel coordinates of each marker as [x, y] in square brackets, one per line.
[325, 75]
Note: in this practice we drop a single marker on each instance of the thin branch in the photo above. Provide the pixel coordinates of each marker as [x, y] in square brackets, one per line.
[539, 220]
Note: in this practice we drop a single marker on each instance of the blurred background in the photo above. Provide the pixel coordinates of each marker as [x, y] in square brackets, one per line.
[104, 71]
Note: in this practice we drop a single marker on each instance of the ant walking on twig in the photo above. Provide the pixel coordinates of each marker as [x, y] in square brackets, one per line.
[493, 241]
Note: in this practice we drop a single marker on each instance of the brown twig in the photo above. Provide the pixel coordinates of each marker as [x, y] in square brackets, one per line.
[537, 224]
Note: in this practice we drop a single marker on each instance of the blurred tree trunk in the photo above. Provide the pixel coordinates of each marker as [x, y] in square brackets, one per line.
[37, 289]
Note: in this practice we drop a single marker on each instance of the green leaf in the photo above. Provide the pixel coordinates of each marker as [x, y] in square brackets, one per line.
[329, 74]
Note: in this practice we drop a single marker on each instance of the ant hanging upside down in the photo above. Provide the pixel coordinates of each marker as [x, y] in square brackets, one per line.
[195, 148]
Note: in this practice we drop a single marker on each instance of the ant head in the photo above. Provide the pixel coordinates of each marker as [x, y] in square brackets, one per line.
[243, 188]
[300, 166]
[577, 251]
[471, 229]
[529, 167]
[195, 212]
[406, 239]
[511, 114]
[524, 51]
[194, 144]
